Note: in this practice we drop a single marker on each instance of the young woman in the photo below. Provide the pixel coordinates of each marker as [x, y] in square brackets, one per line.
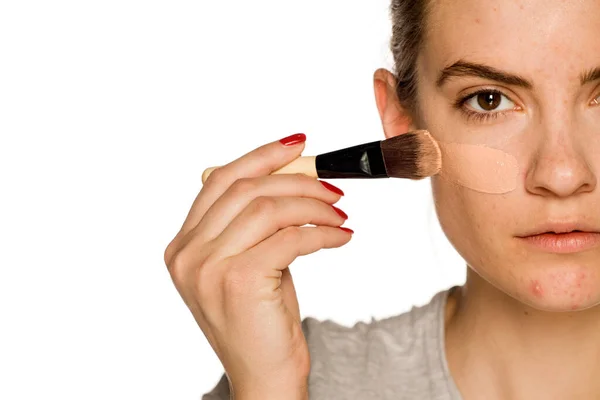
[519, 76]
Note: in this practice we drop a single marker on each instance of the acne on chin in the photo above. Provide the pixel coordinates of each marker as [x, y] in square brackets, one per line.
[567, 288]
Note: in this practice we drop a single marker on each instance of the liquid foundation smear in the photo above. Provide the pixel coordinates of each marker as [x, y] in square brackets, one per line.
[479, 168]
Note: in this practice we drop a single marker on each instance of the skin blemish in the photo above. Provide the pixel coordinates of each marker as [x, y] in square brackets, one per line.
[582, 277]
[536, 289]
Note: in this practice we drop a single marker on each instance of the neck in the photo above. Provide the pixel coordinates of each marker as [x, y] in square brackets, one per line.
[499, 346]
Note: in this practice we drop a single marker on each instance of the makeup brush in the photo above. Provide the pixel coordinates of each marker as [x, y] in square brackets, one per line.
[411, 155]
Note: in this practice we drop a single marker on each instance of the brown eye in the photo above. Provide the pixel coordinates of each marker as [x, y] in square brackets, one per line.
[489, 101]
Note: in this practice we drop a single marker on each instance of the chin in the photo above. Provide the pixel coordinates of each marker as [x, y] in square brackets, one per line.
[544, 281]
[559, 284]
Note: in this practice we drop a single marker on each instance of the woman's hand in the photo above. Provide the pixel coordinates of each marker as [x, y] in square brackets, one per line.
[229, 262]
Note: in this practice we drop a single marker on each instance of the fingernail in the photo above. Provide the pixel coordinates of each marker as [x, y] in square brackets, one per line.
[340, 212]
[293, 139]
[334, 189]
[347, 230]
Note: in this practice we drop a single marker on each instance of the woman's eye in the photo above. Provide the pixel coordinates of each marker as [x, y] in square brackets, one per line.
[489, 101]
[596, 101]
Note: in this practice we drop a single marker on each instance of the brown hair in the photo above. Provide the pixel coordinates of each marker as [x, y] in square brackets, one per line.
[408, 28]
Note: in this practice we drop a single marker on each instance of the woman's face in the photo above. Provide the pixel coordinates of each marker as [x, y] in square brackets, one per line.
[541, 105]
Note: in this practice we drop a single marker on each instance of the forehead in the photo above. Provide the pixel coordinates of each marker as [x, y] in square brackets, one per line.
[534, 37]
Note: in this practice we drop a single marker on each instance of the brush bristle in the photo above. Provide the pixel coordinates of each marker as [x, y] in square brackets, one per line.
[411, 155]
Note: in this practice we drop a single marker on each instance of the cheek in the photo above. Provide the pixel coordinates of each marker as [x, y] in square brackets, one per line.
[472, 221]
[480, 227]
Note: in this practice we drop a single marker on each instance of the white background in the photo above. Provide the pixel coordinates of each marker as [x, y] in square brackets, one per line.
[110, 111]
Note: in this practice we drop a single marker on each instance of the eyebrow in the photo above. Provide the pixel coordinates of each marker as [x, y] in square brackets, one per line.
[590, 76]
[464, 68]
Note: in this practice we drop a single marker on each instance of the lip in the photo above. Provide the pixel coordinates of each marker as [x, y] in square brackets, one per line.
[562, 227]
[567, 237]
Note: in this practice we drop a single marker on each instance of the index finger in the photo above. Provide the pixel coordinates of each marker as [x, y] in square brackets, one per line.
[261, 161]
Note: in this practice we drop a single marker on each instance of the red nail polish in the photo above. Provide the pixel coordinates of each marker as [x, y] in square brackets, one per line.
[347, 230]
[334, 189]
[293, 139]
[340, 212]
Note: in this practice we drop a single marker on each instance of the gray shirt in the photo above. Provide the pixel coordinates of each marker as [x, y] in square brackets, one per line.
[402, 357]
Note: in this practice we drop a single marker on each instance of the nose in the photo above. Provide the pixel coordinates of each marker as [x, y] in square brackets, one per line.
[560, 169]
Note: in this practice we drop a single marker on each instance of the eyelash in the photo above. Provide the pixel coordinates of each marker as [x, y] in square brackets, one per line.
[486, 116]
[476, 115]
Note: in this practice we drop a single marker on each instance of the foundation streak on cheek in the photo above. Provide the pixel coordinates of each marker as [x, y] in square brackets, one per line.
[479, 168]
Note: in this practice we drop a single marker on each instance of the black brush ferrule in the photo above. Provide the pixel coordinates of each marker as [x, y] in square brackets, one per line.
[362, 161]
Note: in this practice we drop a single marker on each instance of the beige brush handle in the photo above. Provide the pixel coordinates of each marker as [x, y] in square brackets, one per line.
[303, 165]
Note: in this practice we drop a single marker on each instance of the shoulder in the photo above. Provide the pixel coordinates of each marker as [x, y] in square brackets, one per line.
[387, 355]
[329, 336]
[376, 359]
